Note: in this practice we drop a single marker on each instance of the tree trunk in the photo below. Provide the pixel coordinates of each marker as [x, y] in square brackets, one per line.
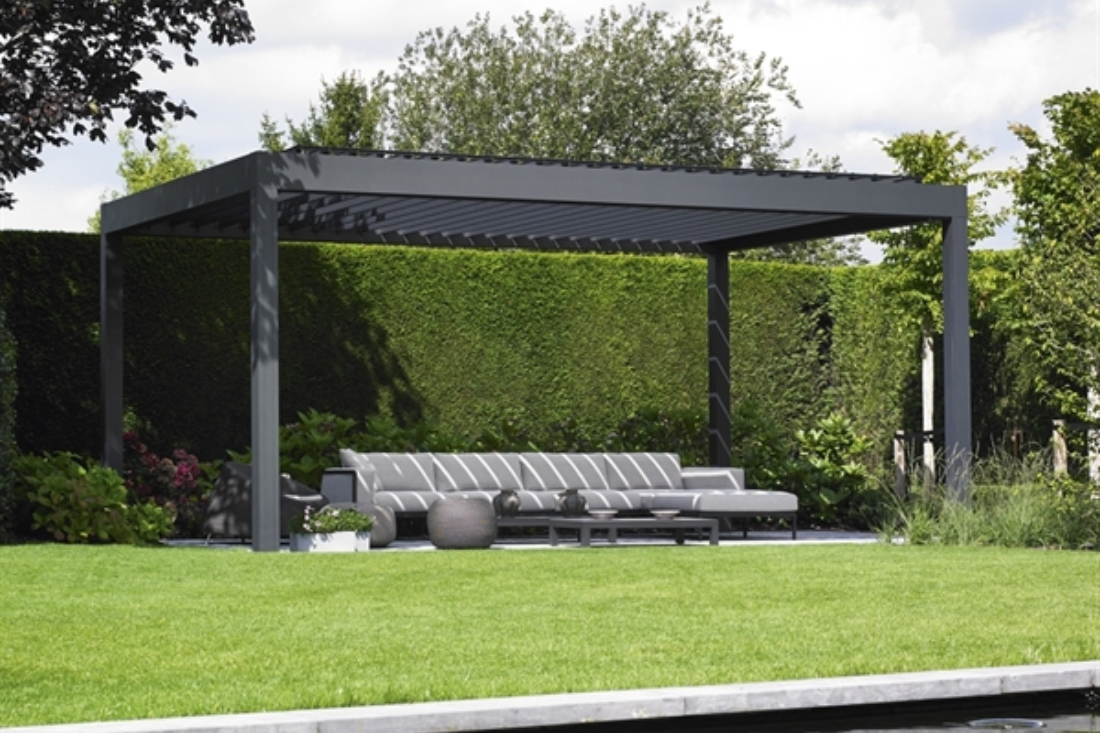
[928, 396]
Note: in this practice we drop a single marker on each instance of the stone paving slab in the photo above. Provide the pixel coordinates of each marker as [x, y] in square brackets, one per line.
[667, 703]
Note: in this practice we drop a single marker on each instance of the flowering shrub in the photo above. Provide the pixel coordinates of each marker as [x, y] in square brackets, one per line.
[329, 519]
[179, 484]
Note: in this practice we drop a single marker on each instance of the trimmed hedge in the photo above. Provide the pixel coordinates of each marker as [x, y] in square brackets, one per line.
[467, 340]
[8, 390]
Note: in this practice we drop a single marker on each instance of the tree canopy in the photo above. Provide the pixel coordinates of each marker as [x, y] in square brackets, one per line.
[141, 168]
[1058, 207]
[635, 86]
[913, 255]
[68, 65]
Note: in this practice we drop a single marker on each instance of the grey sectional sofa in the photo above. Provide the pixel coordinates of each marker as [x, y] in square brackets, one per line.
[409, 483]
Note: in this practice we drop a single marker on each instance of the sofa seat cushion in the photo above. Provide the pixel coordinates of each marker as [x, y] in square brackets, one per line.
[408, 502]
[477, 471]
[643, 471]
[729, 501]
[611, 499]
[559, 471]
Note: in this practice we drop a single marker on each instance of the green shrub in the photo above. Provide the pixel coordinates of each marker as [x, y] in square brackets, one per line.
[9, 502]
[79, 502]
[180, 485]
[1051, 512]
[832, 469]
[310, 445]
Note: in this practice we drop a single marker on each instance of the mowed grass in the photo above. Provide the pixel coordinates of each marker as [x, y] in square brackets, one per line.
[108, 633]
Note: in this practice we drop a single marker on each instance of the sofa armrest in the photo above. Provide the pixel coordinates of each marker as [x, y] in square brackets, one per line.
[710, 477]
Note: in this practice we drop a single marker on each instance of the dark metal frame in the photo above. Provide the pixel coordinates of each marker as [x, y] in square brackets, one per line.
[461, 201]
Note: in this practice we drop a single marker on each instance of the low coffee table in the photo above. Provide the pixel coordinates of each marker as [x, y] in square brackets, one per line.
[585, 525]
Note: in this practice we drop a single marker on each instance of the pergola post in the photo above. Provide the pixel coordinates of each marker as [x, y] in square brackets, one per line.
[264, 257]
[718, 356]
[956, 355]
[110, 347]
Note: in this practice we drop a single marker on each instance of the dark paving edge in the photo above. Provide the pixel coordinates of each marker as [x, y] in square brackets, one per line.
[666, 703]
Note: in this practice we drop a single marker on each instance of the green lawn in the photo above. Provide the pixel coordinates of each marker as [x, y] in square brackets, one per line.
[105, 633]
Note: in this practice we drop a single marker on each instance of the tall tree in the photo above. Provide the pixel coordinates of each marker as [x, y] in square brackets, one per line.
[1058, 210]
[913, 257]
[349, 114]
[140, 168]
[69, 64]
[635, 86]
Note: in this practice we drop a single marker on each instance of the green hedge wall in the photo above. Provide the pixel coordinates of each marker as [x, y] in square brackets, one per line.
[8, 390]
[462, 338]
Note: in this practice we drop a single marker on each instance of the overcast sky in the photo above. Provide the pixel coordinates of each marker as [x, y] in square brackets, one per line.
[865, 70]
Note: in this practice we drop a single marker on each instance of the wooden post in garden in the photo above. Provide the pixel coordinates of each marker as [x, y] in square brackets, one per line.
[901, 483]
[1058, 442]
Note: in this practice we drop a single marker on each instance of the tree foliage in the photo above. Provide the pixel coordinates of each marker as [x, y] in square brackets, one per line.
[349, 114]
[69, 64]
[1058, 200]
[635, 86]
[141, 169]
[913, 256]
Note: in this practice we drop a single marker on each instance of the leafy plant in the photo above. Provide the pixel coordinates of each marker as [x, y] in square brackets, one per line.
[180, 484]
[833, 472]
[78, 501]
[330, 519]
[309, 446]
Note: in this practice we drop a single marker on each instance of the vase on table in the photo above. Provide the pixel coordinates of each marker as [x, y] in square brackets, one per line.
[506, 503]
[572, 503]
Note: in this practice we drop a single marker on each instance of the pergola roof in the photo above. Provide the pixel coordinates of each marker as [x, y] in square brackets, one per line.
[463, 201]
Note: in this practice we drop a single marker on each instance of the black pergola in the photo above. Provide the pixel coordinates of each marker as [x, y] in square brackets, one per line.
[462, 201]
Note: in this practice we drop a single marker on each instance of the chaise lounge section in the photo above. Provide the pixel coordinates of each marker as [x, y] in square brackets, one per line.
[409, 483]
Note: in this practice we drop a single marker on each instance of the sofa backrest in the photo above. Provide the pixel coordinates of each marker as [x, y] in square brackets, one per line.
[477, 471]
[402, 471]
[559, 471]
[631, 471]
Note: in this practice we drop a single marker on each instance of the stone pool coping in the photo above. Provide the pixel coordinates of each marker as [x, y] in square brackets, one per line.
[663, 703]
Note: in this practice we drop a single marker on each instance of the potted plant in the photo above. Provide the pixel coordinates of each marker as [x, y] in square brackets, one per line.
[330, 529]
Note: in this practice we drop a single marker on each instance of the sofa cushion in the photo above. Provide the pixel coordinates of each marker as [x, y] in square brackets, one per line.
[366, 476]
[611, 499]
[712, 478]
[402, 471]
[559, 471]
[632, 471]
[408, 502]
[477, 471]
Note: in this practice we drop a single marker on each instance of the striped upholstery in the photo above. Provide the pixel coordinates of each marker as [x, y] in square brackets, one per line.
[653, 471]
[365, 475]
[408, 502]
[477, 471]
[559, 471]
[699, 479]
[403, 471]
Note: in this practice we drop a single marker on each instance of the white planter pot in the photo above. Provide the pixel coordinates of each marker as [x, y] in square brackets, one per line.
[332, 542]
[362, 541]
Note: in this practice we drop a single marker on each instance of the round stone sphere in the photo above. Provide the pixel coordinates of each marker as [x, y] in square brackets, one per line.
[458, 523]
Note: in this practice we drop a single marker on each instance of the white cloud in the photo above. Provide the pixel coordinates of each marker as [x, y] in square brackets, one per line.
[865, 70]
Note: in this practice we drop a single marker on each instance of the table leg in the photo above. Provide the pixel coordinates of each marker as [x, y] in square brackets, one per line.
[679, 535]
[613, 534]
[714, 533]
[553, 536]
[586, 536]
